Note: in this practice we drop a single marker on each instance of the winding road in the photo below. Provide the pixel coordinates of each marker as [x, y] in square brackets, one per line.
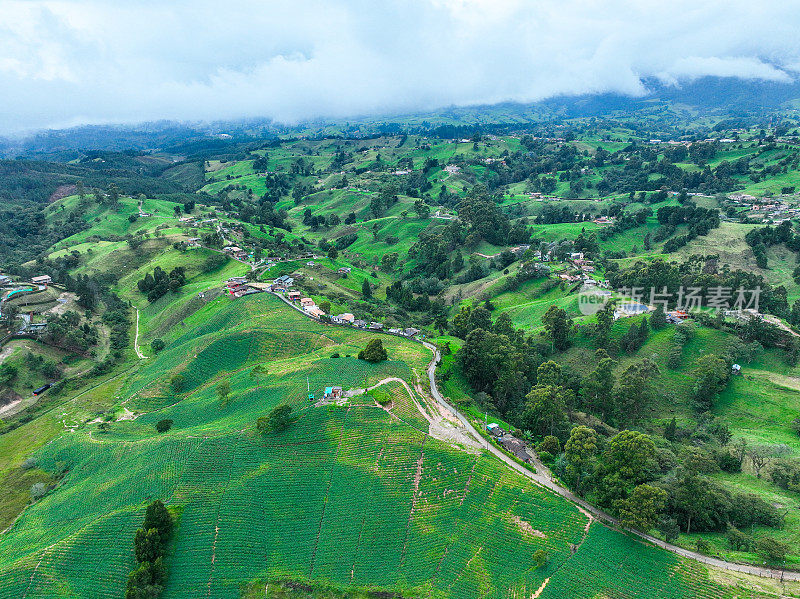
[597, 513]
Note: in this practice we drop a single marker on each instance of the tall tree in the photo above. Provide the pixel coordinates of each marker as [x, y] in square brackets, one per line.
[580, 451]
[642, 508]
[558, 327]
[545, 409]
[598, 386]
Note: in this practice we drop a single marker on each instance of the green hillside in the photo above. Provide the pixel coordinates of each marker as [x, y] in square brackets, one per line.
[348, 496]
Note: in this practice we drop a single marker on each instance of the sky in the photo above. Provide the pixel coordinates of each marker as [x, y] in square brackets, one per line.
[72, 62]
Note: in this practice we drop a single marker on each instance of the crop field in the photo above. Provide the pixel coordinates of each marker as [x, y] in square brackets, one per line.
[349, 496]
[606, 558]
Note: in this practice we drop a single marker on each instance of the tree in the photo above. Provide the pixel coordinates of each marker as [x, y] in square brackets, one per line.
[545, 408]
[388, 261]
[157, 516]
[258, 371]
[580, 451]
[366, 289]
[762, 455]
[38, 490]
[558, 327]
[325, 306]
[634, 390]
[711, 377]
[278, 420]
[703, 546]
[146, 581]
[598, 386]
[162, 426]
[422, 209]
[333, 253]
[771, 549]
[659, 319]
[374, 352]
[147, 545]
[157, 345]
[549, 373]
[540, 558]
[630, 453]
[224, 391]
[605, 319]
[641, 509]
[550, 445]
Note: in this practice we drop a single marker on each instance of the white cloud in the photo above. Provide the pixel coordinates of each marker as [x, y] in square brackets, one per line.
[73, 61]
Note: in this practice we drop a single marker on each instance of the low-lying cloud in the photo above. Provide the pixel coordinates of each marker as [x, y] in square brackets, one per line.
[68, 62]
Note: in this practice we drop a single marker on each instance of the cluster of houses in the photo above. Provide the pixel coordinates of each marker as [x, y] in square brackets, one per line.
[283, 285]
[237, 253]
[240, 286]
[193, 221]
[581, 272]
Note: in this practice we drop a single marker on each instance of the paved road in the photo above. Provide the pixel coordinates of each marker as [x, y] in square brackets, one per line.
[545, 481]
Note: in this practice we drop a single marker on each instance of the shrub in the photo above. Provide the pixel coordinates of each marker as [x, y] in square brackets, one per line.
[546, 457]
[28, 463]
[38, 490]
[157, 345]
[771, 549]
[703, 546]
[162, 426]
[549, 444]
[176, 383]
[276, 421]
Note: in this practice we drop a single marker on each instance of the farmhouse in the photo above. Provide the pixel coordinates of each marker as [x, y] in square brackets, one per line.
[361, 324]
[344, 270]
[294, 296]
[513, 445]
[333, 392]
[345, 318]
[410, 332]
[43, 280]
[306, 302]
[194, 242]
[314, 311]
[5, 280]
[376, 326]
[285, 281]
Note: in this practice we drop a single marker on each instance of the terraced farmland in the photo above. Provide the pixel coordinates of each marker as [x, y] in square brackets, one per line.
[348, 496]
